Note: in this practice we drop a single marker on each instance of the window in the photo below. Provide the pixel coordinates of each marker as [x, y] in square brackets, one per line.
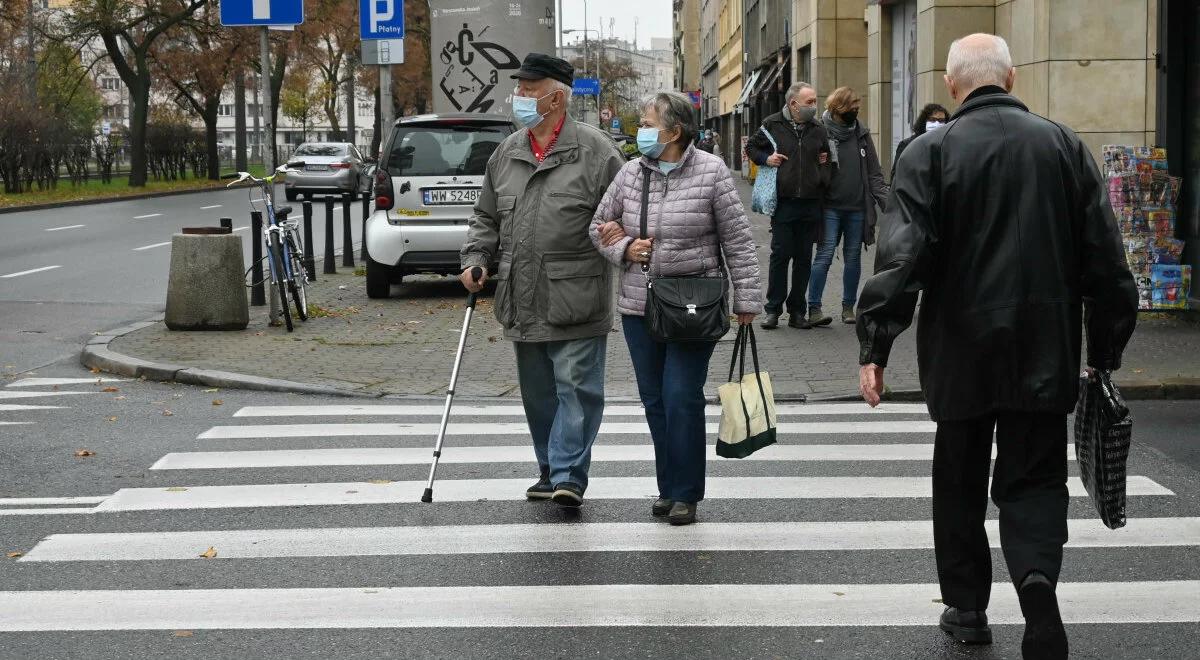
[110, 83]
[225, 110]
[321, 150]
[443, 150]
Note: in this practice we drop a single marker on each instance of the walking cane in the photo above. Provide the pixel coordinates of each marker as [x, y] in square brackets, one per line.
[476, 273]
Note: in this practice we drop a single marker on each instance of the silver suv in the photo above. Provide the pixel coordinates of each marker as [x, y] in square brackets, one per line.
[426, 185]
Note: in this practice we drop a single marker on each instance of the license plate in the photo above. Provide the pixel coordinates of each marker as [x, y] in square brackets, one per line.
[316, 168]
[451, 196]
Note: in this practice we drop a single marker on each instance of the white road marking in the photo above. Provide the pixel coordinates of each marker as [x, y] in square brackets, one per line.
[48, 512]
[155, 245]
[29, 272]
[692, 605]
[240, 228]
[468, 428]
[519, 411]
[214, 206]
[29, 501]
[35, 395]
[12, 407]
[47, 382]
[148, 215]
[67, 227]
[14, 423]
[214, 460]
[473, 490]
[440, 540]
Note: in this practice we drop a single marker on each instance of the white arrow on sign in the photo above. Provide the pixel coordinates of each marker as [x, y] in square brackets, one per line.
[262, 10]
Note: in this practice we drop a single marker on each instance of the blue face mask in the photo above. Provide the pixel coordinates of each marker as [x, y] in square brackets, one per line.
[525, 110]
[667, 167]
[648, 144]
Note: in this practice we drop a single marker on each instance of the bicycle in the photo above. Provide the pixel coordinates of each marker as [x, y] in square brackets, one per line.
[283, 244]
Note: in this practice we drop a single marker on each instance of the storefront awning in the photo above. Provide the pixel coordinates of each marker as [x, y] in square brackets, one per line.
[768, 82]
[747, 89]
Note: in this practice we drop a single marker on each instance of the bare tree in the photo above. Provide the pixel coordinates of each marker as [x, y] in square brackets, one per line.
[328, 42]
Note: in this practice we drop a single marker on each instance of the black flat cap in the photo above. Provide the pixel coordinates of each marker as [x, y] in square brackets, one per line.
[537, 66]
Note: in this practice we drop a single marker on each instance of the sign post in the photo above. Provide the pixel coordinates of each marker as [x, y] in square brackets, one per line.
[381, 28]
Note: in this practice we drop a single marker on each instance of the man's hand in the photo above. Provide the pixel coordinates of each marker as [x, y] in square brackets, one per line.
[746, 319]
[472, 285]
[870, 383]
[611, 233]
[776, 159]
[639, 251]
[823, 157]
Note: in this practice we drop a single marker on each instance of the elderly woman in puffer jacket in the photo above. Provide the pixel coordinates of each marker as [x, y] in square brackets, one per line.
[695, 218]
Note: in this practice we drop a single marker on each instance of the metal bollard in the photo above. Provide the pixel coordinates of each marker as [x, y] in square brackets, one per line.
[227, 223]
[310, 264]
[330, 260]
[347, 234]
[366, 204]
[258, 295]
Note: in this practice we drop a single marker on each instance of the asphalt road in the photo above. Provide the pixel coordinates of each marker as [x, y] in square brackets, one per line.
[66, 273]
[322, 552]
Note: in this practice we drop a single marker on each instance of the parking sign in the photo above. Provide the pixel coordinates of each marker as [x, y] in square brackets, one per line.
[262, 12]
[381, 19]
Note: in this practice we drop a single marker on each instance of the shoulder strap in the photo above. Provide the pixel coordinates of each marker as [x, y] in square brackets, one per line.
[645, 198]
[770, 138]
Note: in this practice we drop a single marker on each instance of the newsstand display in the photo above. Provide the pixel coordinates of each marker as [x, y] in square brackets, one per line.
[1143, 197]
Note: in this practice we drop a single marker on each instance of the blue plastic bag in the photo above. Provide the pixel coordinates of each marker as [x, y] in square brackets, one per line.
[765, 194]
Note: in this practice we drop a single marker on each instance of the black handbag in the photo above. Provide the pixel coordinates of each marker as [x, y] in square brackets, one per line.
[683, 309]
[1103, 431]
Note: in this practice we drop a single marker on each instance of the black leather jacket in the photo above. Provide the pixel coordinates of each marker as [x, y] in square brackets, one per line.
[802, 175]
[1002, 219]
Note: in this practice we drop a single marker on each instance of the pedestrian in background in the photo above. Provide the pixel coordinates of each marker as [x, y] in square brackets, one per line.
[541, 187]
[931, 118]
[849, 211]
[695, 226]
[1002, 219]
[794, 141]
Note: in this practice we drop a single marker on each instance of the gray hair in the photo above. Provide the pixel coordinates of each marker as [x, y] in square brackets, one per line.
[977, 60]
[795, 89]
[560, 86]
[674, 111]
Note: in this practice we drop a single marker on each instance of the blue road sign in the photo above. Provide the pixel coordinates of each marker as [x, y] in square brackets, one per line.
[262, 12]
[616, 125]
[381, 19]
[586, 87]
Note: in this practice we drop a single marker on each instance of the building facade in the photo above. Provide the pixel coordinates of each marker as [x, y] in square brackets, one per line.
[686, 41]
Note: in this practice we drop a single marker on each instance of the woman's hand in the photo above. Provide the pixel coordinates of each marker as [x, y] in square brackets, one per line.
[639, 251]
[611, 233]
[746, 319]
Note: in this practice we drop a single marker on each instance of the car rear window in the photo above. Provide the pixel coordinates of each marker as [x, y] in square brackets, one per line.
[320, 150]
[444, 150]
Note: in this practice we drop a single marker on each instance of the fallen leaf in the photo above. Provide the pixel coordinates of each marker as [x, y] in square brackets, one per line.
[210, 553]
[84, 453]
[118, 398]
[95, 370]
[839, 593]
[184, 633]
[176, 489]
[168, 413]
[14, 555]
[112, 419]
[217, 402]
[111, 389]
[379, 481]
[214, 389]
[937, 600]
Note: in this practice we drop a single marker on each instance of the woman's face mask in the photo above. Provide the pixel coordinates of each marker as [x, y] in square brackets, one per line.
[933, 125]
[647, 141]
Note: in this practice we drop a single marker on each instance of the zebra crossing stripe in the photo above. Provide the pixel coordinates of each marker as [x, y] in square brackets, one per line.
[473, 490]
[518, 411]
[33, 395]
[13, 407]
[276, 458]
[47, 382]
[580, 537]
[693, 605]
[475, 429]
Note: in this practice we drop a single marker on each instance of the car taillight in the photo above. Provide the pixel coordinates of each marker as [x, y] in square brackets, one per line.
[340, 166]
[384, 196]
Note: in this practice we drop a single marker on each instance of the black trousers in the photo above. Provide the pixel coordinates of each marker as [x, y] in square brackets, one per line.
[793, 236]
[1029, 487]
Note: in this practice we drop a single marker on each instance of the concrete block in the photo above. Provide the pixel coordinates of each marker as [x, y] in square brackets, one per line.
[1181, 388]
[1079, 32]
[206, 289]
[1082, 95]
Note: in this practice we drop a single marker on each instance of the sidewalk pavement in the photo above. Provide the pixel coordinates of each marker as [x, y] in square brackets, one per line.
[405, 346]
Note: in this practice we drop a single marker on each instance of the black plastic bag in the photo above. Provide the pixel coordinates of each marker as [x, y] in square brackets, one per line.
[1103, 429]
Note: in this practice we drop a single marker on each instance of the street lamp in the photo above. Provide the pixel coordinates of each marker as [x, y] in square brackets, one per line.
[599, 80]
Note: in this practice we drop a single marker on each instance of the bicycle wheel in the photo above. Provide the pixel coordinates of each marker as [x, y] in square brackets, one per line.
[299, 281]
[280, 278]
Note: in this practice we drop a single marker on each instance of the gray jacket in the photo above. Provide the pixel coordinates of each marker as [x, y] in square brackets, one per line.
[693, 211]
[532, 218]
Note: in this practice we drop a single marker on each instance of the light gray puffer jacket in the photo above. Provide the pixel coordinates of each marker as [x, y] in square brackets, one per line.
[689, 210]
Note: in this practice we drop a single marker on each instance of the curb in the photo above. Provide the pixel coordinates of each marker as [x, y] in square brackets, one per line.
[97, 355]
[106, 200]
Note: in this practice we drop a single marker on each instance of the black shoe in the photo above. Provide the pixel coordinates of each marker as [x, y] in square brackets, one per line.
[770, 321]
[662, 506]
[968, 627]
[542, 490]
[682, 513]
[568, 494]
[798, 321]
[1045, 637]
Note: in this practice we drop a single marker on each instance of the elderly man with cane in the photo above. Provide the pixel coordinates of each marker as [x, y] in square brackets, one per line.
[1002, 219]
[553, 288]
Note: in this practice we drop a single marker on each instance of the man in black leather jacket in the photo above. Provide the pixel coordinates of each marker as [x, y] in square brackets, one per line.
[1003, 220]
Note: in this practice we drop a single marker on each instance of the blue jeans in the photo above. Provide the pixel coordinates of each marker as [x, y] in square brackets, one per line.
[562, 389]
[848, 225]
[670, 378]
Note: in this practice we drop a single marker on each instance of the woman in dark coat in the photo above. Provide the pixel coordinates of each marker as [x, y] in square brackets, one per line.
[932, 117]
